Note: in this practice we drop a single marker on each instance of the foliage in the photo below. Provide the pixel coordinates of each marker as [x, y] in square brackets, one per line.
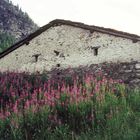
[6, 41]
[14, 24]
[71, 107]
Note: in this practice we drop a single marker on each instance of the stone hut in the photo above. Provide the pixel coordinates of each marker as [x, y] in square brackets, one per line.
[64, 43]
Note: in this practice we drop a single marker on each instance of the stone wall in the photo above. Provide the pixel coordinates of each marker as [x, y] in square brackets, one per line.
[128, 72]
[64, 46]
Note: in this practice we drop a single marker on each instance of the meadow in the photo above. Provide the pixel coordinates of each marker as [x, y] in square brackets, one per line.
[74, 106]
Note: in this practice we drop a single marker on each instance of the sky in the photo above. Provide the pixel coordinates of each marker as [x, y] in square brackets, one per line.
[123, 15]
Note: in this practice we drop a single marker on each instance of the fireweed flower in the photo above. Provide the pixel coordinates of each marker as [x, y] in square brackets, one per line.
[27, 104]
[19, 90]
[15, 108]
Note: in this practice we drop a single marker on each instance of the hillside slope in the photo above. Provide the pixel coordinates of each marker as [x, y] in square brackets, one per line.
[14, 24]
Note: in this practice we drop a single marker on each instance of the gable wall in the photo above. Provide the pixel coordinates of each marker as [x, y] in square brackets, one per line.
[75, 47]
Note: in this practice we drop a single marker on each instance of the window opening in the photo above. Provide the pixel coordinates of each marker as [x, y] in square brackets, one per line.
[58, 65]
[36, 57]
[95, 51]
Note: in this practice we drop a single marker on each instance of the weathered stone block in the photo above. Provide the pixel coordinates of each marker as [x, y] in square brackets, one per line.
[131, 67]
[135, 81]
[138, 71]
[127, 71]
[137, 66]
[138, 75]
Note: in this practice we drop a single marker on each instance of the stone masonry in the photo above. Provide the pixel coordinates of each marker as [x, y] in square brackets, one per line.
[128, 72]
[74, 47]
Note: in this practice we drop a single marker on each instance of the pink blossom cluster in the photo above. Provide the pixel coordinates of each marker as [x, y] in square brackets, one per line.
[20, 91]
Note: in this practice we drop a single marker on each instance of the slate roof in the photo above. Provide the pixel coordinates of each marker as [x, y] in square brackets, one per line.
[57, 22]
